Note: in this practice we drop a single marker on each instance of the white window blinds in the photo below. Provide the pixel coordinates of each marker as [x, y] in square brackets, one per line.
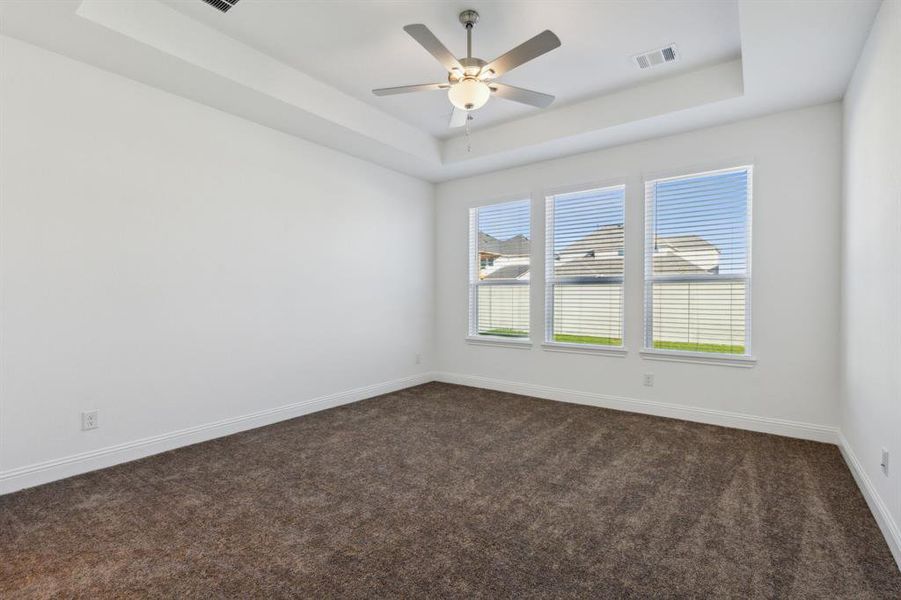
[584, 267]
[499, 248]
[697, 262]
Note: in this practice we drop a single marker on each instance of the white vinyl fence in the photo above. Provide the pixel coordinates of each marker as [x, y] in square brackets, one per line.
[710, 312]
[685, 312]
[503, 309]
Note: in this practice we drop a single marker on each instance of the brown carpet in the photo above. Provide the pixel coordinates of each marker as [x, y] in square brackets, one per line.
[448, 491]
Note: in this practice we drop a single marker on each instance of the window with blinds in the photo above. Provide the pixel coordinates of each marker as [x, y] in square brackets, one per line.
[499, 247]
[697, 263]
[584, 267]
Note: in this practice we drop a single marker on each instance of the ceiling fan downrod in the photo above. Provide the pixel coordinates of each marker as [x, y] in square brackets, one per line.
[469, 18]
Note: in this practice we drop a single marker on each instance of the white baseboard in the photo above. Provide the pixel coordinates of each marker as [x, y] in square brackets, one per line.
[795, 429]
[880, 511]
[51, 470]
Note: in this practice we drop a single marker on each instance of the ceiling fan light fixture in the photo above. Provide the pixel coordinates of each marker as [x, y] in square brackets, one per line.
[471, 81]
[469, 94]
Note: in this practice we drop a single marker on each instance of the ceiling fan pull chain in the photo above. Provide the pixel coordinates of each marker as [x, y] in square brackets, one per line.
[468, 139]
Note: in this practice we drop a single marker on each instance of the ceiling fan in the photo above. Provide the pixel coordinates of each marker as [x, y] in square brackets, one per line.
[471, 81]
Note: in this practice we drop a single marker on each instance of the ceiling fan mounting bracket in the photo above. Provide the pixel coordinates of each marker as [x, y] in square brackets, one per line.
[469, 18]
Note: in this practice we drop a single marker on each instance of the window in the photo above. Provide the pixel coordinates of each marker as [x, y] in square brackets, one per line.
[499, 270]
[584, 267]
[697, 263]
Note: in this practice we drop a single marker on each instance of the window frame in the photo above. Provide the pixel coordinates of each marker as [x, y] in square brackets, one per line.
[473, 282]
[648, 350]
[550, 280]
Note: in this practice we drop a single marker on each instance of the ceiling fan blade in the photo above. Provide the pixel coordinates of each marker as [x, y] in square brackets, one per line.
[516, 94]
[406, 89]
[433, 45]
[458, 118]
[540, 44]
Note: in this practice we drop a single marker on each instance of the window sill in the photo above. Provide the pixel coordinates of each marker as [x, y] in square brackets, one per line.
[703, 358]
[617, 351]
[503, 342]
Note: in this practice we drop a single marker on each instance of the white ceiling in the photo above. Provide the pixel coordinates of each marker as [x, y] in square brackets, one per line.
[359, 46]
[306, 68]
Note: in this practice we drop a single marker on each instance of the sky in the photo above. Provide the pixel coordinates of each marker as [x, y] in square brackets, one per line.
[712, 206]
[578, 214]
[506, 220]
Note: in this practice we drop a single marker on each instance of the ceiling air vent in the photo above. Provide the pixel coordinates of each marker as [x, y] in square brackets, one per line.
[223, 5]
[657, 57]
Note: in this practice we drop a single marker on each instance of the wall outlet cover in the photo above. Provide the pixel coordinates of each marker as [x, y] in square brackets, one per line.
[89, 420]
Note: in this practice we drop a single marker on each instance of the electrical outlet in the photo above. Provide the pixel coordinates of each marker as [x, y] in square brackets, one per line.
[418, 358]
[89, 420]
[649, 380]
[884, 463]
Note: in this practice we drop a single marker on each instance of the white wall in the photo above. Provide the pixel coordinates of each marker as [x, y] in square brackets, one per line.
[871, 282]
[174, 266]
[795, 290]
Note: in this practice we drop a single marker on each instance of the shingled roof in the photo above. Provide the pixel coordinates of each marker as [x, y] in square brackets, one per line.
[518, 245]
[599, 253]
[608, 238]
[688, 254]
[588, 266]
[508, 272]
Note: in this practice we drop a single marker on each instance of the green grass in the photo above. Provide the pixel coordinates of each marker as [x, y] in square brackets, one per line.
[559, 337]
[506, 332]
[693, 347]
[569, 338]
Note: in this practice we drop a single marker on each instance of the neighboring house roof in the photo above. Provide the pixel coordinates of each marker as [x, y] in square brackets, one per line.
[685, 254]
[599, 253]
[588, 265]
[687, 243]
[672, 263]
[518, 245]
[508, 272]
[608, 238]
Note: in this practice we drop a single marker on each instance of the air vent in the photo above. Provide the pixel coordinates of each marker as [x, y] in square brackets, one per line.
[223, 5]
[657, 57]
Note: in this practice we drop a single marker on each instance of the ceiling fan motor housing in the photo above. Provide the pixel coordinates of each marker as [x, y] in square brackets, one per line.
[471, 69]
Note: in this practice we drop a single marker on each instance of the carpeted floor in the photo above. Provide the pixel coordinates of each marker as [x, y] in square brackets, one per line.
[448, 491]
